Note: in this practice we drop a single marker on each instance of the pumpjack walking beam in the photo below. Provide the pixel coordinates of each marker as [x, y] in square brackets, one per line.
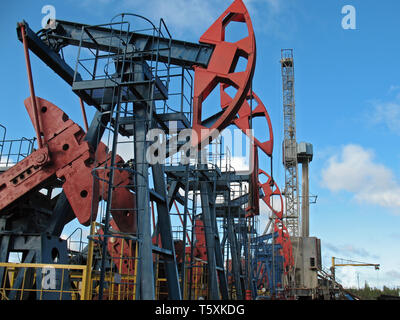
[47, 47]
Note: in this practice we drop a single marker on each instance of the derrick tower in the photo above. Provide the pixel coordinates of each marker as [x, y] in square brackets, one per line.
[291, 216]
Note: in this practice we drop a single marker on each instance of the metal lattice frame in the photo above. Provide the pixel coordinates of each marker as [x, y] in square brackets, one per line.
[291, 216]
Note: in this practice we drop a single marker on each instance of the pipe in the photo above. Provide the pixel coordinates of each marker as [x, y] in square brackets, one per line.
[305, 204]
[31, 87]
[84, 115]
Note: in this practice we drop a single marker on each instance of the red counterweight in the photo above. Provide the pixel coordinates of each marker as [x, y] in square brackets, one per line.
[64, 154]
[221, 70]
[67, 156]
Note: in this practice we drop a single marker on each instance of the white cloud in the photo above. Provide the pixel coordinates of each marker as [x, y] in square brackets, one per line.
[272, 6]
[266, 213]
[393, 274]
[351, 276]
[191, 18]
[6, 162]
[235, 163]
[183, 17]
[388, 113]
[355, 170]
[348, 250]
[76, 235]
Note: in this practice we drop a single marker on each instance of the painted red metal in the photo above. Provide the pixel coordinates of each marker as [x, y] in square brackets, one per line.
[200, 248]
[123, 200]
[67, 156]
[271, 189]
[253, 208]
[221, 70]
[247, 112]
[64, 151]
[284, 240]
[122, 251]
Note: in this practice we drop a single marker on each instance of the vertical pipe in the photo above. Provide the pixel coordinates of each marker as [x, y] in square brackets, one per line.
[87, 288]
[305, 204]
[31, 87]
[273, 259]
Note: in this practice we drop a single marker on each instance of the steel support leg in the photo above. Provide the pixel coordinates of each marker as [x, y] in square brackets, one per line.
[167, 242]
[146, 272]
[217, 277]
[24, 278]
[235, 258]
[5, 242]
[213, 287]
[223, 283]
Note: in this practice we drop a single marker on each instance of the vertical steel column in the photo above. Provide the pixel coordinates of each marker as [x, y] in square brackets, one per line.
[146, 272]
[5, 243]
[235, 258]
[185, 214]
[194, 210]
[305, 204]
[213, 287]
[167, 242]
[218, 250]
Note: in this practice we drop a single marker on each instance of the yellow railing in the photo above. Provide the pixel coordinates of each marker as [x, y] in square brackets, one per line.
[62, 281]
[198, 283]
[23, 279]
[118, 286]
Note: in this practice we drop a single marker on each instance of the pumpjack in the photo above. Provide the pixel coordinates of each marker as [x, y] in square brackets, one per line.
[88, 172]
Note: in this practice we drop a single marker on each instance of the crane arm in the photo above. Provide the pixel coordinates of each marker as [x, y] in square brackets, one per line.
[353, 264]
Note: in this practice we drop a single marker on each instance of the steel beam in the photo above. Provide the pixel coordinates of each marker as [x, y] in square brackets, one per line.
[167, 242]
[213, 287]
[146, 279]
[183, 53]
[236, 262]
[218, 250]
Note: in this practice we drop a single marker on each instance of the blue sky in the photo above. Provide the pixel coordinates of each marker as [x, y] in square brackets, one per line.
[347, 104]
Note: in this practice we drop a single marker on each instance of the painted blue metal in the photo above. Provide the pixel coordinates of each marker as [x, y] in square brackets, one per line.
[266, 263]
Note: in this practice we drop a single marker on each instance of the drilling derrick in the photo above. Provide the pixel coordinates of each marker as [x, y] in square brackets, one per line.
[291, 216]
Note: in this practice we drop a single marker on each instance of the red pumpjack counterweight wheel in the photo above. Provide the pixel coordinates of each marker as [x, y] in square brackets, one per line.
[221, 70]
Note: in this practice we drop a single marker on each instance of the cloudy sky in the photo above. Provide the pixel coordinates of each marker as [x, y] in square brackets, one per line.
[347, 104]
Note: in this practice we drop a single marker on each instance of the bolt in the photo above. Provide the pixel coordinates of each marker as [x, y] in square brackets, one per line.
[41, 158]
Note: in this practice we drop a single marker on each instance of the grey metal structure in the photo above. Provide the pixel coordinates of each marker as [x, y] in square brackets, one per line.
[221, 208]
[137, 81]
[23, 231]
[304, 156]
[291, 191]
[131, 83]
[307, 267]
